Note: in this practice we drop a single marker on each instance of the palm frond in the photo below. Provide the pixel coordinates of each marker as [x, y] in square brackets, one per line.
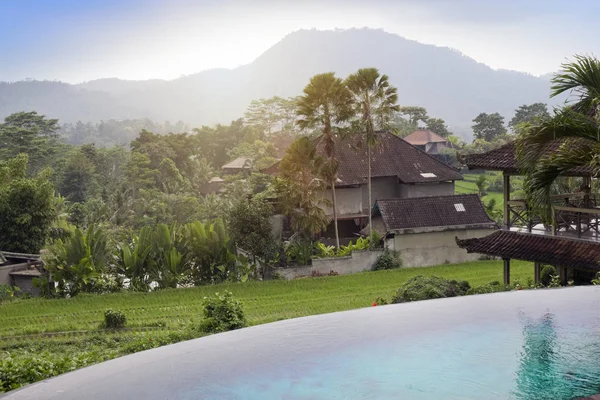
[581, 78]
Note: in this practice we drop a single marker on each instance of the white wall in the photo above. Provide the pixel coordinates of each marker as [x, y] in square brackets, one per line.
[426, 189]
[349, 200]
[434, 248]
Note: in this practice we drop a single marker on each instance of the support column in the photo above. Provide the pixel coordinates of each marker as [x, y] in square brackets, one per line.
[506, 188]
[562, 274]
[537, 272]
[507, 271]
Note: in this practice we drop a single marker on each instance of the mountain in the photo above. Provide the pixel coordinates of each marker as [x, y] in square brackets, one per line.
[449, 84]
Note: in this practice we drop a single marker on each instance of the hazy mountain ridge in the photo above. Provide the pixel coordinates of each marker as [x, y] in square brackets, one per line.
[449, 84]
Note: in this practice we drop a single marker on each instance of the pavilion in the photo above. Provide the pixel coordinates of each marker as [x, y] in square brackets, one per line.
[571, 242]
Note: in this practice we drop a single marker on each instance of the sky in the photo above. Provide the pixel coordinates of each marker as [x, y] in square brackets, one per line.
[81, 40]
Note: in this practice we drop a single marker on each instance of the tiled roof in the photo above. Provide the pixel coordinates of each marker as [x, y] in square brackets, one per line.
[239, 163]
[434, 211]
[424, 136]
[551, 250]
[504, 159]
[391, 157]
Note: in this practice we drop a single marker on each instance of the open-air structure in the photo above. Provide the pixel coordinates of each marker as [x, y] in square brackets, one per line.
[571, 242]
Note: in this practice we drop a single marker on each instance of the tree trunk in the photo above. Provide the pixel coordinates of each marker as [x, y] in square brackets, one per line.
[335, 224]
[370, 193]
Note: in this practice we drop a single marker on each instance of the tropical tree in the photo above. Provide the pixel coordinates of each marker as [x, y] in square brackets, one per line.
[528, 113]
[576, 127]
[299, 187]
[327, 106]
[488, 126]
[374, 107]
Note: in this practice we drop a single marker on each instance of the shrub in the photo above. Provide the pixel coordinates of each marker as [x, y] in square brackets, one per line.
[388, 260]
[7, 292]
[548, 271]
[491, 287]
[222, 313]
[429, 287]
[380, 301]
[114, 319]
[596, 280]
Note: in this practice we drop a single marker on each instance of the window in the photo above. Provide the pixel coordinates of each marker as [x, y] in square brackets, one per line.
[460, 207]
[428, 175]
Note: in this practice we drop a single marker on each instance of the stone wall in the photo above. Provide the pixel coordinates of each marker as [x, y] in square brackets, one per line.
[359, 261]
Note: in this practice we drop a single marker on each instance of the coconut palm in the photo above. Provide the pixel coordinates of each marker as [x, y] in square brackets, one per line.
[576, 127]
[374, 106]
[326, 106]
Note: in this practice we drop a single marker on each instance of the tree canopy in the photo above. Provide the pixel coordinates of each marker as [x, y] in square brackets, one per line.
[488, 126]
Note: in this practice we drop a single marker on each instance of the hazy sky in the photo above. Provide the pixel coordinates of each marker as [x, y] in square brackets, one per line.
[79, 40]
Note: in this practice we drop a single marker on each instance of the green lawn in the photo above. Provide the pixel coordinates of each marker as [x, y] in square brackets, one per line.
[68, 330]
[468, 186]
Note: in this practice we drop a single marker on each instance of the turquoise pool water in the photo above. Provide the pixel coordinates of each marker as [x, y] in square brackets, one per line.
[542, 344]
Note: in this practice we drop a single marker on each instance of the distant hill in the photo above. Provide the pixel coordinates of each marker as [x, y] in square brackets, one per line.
[449, 84]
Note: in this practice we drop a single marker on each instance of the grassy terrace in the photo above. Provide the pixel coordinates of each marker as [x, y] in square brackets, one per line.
[49, 337]
[468, 186]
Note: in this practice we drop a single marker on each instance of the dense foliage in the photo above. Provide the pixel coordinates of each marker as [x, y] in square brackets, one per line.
[222, 312]
[430, 287]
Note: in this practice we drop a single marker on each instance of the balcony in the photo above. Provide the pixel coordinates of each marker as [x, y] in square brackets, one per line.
[575, 215]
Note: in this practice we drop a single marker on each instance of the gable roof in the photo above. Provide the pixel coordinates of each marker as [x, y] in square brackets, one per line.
[464, 210]
[392, 156]
[551, 250]
[424, 136]
[239, 163]
[504, 159]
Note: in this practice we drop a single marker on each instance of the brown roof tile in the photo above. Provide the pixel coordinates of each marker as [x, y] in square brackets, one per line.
[391, 157]
[434, 211]
[551, 250]
[504, 159]
[424, 136]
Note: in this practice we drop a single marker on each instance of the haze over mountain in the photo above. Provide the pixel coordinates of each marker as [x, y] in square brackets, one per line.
[447, 83]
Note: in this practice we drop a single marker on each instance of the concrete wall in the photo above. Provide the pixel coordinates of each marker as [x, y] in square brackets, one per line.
[434, 248]
[426, 189]
[382, 188]
[349, 200]
[25, 283]
[359, 261]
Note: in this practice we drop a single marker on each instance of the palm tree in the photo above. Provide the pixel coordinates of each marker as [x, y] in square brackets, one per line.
[374, 106]
[576, 127]
[326, 106]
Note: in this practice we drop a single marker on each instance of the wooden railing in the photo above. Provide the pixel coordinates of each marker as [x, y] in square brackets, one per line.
[575, 214]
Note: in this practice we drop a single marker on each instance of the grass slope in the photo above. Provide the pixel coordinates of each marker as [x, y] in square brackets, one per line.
[66, 332]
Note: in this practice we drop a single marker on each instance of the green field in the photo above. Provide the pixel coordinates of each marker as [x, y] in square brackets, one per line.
[67, 331]
[468, 186]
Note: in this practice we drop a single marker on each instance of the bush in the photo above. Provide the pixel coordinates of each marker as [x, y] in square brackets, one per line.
[7, 292]
[388, 260]
[429, 287]
[548, 271]
[491, 287]
[596, 280]
[222, 313]
[114, 319]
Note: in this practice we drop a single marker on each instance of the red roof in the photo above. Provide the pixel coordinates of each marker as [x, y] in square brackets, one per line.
[391, 157]
[423, 136]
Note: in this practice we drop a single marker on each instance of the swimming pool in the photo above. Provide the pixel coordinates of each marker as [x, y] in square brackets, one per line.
[537, 344]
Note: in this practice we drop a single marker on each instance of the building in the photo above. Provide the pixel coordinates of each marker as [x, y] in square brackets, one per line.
[398, 170]
[424, 229]
[571, 242]
[427, 141]
[240, 164]
[19, 270]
